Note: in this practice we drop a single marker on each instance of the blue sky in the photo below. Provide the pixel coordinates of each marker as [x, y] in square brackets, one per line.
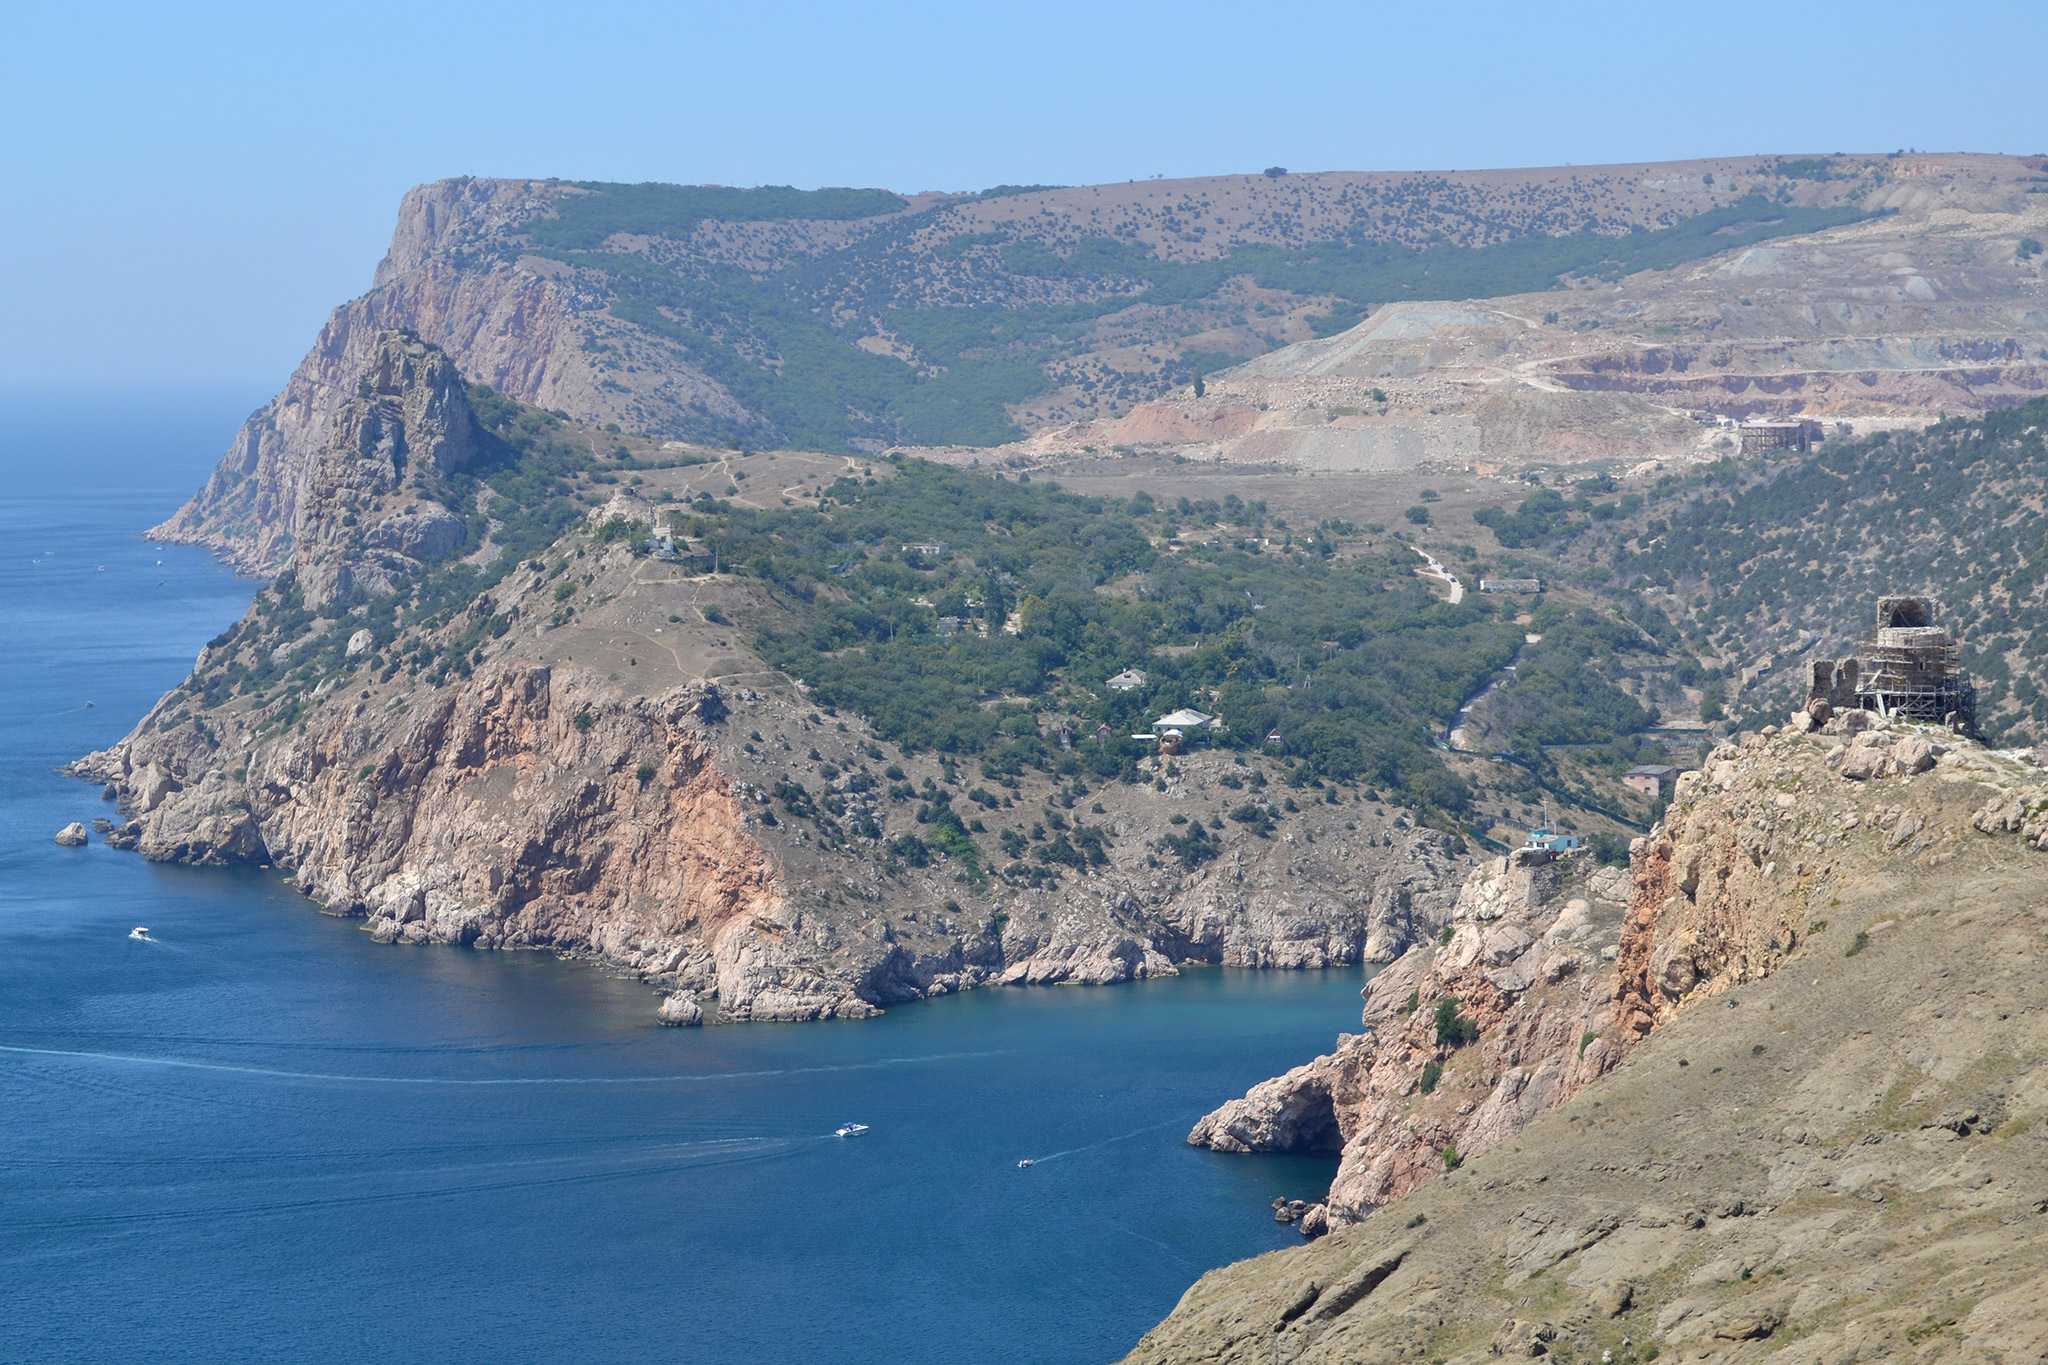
[193, 187]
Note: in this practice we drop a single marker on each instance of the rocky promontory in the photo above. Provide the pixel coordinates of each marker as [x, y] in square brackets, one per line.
[475, 725]
[1813, 1127]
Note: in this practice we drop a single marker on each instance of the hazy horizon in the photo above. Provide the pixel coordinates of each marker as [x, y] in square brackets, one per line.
[213, 182]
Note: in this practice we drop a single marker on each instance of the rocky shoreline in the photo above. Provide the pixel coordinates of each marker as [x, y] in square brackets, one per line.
[1549, 974]
[1690, 1146]
[605, 781]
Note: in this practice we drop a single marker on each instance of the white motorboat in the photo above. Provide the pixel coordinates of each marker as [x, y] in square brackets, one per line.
[851, 1130]
[139, 931]
[1025, 1162]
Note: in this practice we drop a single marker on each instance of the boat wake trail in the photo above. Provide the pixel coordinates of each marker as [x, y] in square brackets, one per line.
[448, 1182]
[1125, 1137]
[675, 1078]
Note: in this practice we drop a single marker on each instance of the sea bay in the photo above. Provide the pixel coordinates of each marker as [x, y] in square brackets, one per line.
[262, 1136]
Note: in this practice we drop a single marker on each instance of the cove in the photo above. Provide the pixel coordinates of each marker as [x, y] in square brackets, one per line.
[264, 1137]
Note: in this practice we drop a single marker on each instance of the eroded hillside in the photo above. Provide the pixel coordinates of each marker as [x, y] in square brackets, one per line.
[476, 709]
[858, 320]
[1818, 1135]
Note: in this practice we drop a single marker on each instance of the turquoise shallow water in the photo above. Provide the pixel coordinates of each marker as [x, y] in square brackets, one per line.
[263, 1137]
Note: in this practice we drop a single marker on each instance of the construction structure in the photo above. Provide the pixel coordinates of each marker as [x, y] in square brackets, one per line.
[1907, 666]
[1797, 434]
[1649, 779]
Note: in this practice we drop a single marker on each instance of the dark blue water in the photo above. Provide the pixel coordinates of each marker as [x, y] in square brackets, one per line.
[263, 1137]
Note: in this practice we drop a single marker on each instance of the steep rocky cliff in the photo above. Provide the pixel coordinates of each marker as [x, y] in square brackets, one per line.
[1814, 1129]
[467, 737]
[1541, 983]
[837, 319]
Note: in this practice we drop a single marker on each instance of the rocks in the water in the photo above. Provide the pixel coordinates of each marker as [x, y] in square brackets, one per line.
[681, 1010]
[110, 792]
[125, 836]
[1312, 1219]
[72, 835]
[101, 824]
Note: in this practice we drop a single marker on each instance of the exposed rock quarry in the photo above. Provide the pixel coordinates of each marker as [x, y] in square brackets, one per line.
[1890, 320]
[1813, 1128]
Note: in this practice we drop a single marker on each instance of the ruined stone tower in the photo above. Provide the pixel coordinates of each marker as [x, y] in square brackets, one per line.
[1908, 666]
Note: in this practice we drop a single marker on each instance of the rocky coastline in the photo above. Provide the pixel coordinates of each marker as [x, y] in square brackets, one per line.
[1549, 974]
[1811, 1129]
[601, 782]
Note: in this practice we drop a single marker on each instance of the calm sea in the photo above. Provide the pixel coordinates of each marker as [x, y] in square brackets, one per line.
[263, 1137]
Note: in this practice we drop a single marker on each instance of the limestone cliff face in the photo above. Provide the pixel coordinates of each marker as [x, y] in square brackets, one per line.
[1718, 895]
[1821, 1138]
[535, 806]
[366, 519]
[515, 811]
[1522, 968]
[565, 760]
[515, 325]
[250, 508]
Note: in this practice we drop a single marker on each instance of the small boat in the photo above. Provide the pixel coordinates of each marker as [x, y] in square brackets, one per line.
[1025, 1162]
[851, 1130]
[139, 931]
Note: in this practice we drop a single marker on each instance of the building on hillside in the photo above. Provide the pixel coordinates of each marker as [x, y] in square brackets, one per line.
[1128, 680]
[1649, 778]
[1796, 434]
[949, 625]
[1183, 720]
[1908, 666]
[1511, 585]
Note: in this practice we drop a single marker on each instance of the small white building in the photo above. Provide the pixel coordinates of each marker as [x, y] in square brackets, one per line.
[1183, 720]
[1127, 681]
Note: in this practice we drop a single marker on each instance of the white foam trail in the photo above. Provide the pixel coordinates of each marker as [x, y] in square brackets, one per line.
[1076, 1151]
[184, 1064]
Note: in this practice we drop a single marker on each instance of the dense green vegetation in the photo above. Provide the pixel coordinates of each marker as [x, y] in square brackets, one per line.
[779, 343]
[582, 222]
[1360, 272]
[1745, 559]
[1336, 651]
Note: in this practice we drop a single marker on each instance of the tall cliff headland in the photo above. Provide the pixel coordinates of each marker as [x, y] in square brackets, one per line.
[1787, 1104]
[476, 709]
[1051, 322]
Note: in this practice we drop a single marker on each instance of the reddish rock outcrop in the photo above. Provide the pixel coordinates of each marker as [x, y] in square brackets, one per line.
[1719, 894]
